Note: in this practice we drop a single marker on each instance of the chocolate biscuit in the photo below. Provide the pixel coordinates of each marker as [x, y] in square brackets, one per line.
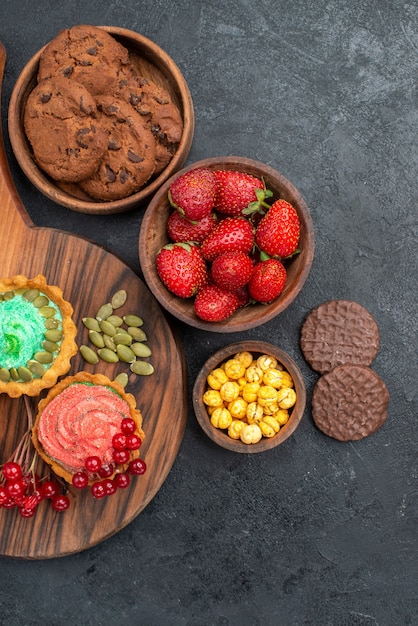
[339, 332]
[156, 106]
[60, 123]
[88, 55]
[350, 402]
[129, 160]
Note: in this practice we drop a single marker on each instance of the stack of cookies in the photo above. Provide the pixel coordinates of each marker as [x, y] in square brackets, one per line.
[339, 340]
[94, 123]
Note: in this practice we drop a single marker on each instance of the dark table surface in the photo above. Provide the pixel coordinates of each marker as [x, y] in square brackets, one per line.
[316, 531]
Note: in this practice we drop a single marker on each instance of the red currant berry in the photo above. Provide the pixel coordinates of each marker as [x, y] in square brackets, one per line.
[137, 466]
[60, 502]
[10, 504]
[80, 480]
[122, 480]
[4, 496]
[27, 512]
[106, 471]
[98, 490]
[15, 488]
[12, 470]
[93, 464]
[133, 442]
[49, 489]
[30, 502]
[110, 486]
[128, 425]
[121, 456]
[119, 441]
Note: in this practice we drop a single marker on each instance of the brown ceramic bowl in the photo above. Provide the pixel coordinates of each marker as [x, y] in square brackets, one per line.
[256, 348]
[154, 64]
[153, 236]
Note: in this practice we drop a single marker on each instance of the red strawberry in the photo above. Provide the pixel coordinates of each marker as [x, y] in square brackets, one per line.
[214, 304]
[232, 233]
[278, 232]
[267, 281]
[232, 270]
[181, 268]
[193, 193]
[235, 191]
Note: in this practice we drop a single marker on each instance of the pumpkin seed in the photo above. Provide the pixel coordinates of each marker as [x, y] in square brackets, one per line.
[119, 299]
[122, 337]
[47, 311]
[25, 373]
[40, 301]
[54, 335]
[137, 333]
[107, 328]
[91, 323]
[133, 320]
[142, 368]
[141, 349]
[122, 379]
[50, 346]
[104, 311]
[115, 320]
[14, 373]
[96, 339]
[31, 294]
[36, 368]
[20, 291]
[4, 375]
[109, 343]
[89, 355]
[51, 322]
[8, 295]
[125, 353]
[43, 357]
[108, 355]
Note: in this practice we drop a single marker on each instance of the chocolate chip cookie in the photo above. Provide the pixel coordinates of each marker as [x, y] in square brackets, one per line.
[60, 123]
[129, 160]
[88, 55]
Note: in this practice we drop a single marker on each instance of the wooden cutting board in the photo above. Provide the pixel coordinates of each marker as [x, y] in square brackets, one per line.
[88, 276]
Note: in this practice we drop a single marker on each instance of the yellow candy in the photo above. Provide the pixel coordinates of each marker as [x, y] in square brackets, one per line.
[286, 398]
[229, 391]
[266, 362]
[235, 429]
[287, 380]
[211, 397]
[266, 395]
[254, 374]
[216, 378]
[273, 377]
[238, 408]
[282, 416]
[245, 357]
[254, 412]
[250, 433]
[234, 369]
[250, 391]
[221, 418]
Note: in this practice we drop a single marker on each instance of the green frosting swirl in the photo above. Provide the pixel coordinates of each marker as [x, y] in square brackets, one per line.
[22, 331]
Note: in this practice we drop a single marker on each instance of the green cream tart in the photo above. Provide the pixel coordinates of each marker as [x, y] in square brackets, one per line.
[23, 325]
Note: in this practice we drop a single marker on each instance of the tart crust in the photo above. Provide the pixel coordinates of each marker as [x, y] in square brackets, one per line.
[95, 379]
[68, 347]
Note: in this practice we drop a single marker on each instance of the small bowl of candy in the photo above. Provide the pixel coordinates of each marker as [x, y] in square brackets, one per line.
[226, 244]
[249, 397]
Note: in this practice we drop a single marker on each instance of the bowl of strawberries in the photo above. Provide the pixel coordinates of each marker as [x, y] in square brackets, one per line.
[226, 244]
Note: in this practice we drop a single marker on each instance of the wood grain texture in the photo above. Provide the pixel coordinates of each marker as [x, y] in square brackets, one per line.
[88, 276]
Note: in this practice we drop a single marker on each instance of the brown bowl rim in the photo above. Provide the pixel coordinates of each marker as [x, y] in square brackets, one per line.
[47, 186]
[218, 436]
[172, 304]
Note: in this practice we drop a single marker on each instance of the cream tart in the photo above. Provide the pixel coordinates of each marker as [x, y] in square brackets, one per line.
[78, 419]
[37, 335]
